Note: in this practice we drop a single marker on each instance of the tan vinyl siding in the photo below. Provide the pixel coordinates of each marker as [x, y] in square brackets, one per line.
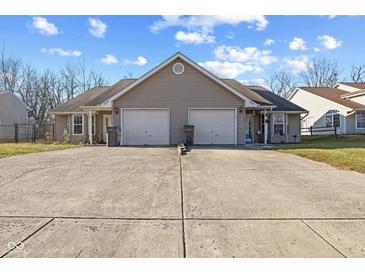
[192, 89]
[294, 126]
[60, 125]
[351, 125]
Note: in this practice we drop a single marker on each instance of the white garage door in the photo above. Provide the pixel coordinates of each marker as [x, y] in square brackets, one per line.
[213, 126]
[146, 126]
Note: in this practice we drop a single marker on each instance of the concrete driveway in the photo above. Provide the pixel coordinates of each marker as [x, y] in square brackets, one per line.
[149, 202]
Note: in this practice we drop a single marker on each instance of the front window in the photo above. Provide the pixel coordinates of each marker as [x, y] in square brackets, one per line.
[278, 122]
[333, 120]
[360, 119]
[93, 124]
[78, 124]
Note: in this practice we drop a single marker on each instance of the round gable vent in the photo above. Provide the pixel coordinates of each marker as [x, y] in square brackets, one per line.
[178, 68]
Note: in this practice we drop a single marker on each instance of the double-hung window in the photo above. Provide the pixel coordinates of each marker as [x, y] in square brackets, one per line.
[360, 119]
[278, 123]
[77, 124]
[333, 120]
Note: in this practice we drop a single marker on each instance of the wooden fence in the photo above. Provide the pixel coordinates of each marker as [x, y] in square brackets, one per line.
[320, 131]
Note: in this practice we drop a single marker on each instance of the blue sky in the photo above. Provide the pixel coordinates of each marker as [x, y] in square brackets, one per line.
[232, 47]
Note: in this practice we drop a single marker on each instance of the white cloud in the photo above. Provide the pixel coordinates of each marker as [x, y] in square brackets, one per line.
[97, 27]
[42, 25]
[109, 59]
[295, 65]
[194, 37]
[62, 52]
[208, 22]
[316, 49]
[227, 69]
[329, 42]
[297, 44]
[332, 16]
[268, 42]
[140, 61]
[248, 54]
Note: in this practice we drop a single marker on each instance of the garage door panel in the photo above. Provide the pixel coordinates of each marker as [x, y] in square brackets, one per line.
[146, 127]
[213, 126]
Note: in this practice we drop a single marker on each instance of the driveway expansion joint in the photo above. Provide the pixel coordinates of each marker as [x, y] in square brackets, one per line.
[182, 207]
[323, 238]
[28, 237]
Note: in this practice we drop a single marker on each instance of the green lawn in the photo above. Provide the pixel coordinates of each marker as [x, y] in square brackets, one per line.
[11, 149]
[343, 152]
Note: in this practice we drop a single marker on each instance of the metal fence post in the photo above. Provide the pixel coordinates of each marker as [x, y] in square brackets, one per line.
[16, 133]
[335, 131]
[33, 137]
[311, 129]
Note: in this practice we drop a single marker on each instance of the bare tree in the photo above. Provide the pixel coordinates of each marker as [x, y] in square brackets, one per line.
[10, 68]
[97, 79]
[44, 90]
[70, 80]
[282, 83]
[358, 73]
[129, 75]
[320, 73]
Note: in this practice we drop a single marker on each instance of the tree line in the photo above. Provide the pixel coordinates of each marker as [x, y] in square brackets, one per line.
[43, 90]
[318, 72]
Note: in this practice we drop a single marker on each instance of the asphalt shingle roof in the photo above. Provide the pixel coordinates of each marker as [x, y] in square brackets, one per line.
[247, 92]
[334, 94]
[98, 95]
[280, 103]
[354, 85]
[92, 97]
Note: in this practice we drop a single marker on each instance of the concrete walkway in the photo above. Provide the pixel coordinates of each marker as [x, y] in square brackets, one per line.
[149, 202]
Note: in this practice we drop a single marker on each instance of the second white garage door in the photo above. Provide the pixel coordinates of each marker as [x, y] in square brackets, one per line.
[146, 126]
[213, 126]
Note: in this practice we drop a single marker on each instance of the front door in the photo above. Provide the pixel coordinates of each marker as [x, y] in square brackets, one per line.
[107, 121]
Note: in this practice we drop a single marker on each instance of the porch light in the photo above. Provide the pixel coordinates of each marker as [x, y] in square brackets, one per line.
[241, 109]
[116, 110]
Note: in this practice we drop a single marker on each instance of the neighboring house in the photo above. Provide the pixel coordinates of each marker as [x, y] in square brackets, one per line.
[12, 111]
[153, 110]
[342, 106]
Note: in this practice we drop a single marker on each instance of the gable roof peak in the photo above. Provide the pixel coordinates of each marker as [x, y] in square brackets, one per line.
[189, 61]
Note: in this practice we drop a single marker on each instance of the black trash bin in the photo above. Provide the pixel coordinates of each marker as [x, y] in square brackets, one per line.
[189, 135]
[112, 138]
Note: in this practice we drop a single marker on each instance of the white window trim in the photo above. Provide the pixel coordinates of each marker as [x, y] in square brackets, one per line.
[356, 120]
[273, 124]
[82, 125]
[333, 124]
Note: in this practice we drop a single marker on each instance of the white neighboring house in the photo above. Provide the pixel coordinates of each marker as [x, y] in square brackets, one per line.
[12, 111]
[342, 106]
